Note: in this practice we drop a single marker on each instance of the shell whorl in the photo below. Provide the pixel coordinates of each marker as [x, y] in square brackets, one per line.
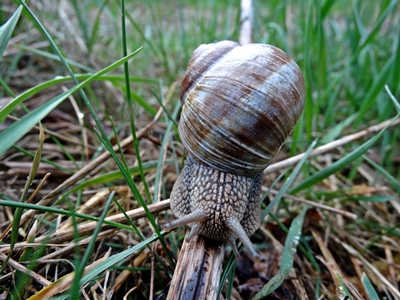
[240, 103]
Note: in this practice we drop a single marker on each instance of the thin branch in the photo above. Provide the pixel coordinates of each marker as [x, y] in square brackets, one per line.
[246, 22]
[316, 204]
[330, 146]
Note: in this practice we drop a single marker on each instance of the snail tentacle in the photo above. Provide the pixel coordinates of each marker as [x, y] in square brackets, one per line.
[234, 225]
[195, 230]
[196, 216]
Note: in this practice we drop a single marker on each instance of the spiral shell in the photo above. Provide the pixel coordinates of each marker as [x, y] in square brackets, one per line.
[240, 103]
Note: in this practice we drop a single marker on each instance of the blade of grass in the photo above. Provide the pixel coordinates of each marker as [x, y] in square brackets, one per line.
[113, 176]
[18, 129]
[7, 29]
[394, 100]
[161, 158]
[376, 88]
[228, 269]
[58, 211]
[375, 29]
[40, 87]
[50, 162]
[372, 295]
[55, 57]
[307, 71]
[338, 129]
[137, 195]
[377, 199]
[75, 288]
[112, 260]
[130, 106]
[393, 181]
[395, 76]
[18, 212]
[340, 164]
[289, 252]
[288, 182]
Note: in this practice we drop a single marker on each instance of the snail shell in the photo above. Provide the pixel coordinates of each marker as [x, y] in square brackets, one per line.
[240, 103]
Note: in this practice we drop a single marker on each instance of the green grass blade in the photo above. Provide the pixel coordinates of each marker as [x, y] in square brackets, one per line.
[340, 164]
[18, 212]
[394, 100]
[338, 129]
[19, 128]
[7, 29]
[309, 106]
[58, 211]
[113, 176]
[375, 89]
[395, 77]
[75, 288]
[138, 196]
[55, 57]
[40, 87]
[377, 199]
[288, 182]
[289, 252]
[112, 260]
[377, 25]
[130, 105]
[163, 147]
[393, 181]
[326, 7]
[372, 295]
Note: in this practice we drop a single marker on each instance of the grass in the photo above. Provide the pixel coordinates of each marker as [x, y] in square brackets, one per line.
[95, 73]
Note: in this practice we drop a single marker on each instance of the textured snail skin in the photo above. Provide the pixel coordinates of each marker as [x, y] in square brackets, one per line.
[225, 205]
[239, 105]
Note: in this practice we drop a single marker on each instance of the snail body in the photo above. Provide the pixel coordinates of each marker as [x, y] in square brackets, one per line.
[239, 104]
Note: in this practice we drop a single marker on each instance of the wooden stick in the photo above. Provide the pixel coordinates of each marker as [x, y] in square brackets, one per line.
[198, 271]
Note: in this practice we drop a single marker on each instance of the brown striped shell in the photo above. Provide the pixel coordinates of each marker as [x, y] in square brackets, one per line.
[240, 103]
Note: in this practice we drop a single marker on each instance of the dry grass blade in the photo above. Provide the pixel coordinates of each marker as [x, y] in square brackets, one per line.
[87, 228]
[337, 274]
[315, 204]
[21, 268]
[64, 283]
[87, 169]
[373, 272]
[330, 146]
[99, 196]
[57, 135]
[28, 201]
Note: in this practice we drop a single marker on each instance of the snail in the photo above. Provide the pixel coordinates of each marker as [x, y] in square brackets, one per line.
[239, 104]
